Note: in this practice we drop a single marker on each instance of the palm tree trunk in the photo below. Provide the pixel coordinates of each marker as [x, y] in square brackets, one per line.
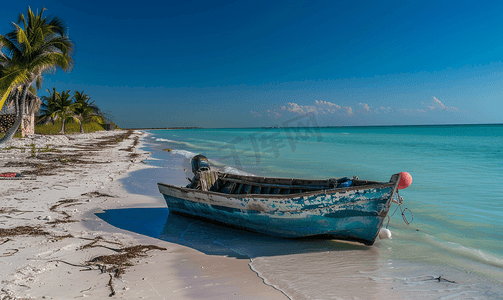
[62, 127]
[28, 124]
[22, 126]
[25, 123]
[19, 117]
[32, 124]
[81, 127]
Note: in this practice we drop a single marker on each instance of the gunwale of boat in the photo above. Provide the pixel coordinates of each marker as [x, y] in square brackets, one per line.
[363, 184]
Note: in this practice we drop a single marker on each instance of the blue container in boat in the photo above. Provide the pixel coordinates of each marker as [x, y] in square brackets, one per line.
[345, 183]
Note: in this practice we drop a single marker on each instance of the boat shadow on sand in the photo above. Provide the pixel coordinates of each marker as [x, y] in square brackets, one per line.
[213, 239]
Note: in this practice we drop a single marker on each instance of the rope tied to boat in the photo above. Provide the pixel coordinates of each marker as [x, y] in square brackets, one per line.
[399, 201]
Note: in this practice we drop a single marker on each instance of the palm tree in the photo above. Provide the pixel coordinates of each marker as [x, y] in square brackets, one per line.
[87, 111]
[87, 115]
[48, 107]
[41, 45]
[63, 108]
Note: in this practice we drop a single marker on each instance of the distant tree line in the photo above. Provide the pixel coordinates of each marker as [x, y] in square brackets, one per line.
[63, 106]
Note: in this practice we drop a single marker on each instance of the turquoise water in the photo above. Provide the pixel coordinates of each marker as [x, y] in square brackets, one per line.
[456, 196]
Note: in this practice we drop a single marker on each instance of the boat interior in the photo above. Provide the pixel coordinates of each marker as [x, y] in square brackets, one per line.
[207, 180]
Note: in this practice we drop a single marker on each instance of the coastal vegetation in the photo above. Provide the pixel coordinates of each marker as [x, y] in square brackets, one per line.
[60, 107]
[38, 45]
[69, 128]
[62, 113]
[63, 107]
[35, 46]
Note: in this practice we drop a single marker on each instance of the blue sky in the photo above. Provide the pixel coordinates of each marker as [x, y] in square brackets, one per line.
[257, 63]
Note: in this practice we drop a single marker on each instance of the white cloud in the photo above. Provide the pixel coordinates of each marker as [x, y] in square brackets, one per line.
[300, 109]
[326, 104]
[273, 114]
[434, 105]
[385, 109]
[438, 105]
[320, 107]
[366, 107]
[255, 114]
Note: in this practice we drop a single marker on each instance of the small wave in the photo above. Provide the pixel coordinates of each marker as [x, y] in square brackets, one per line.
[192, 146]
[235, 171]
[185, 153]
[466, 252]
[164, 140]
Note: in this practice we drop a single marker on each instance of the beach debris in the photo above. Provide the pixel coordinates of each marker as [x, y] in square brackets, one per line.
[9, 175]
[130, 148]
[59, 221]
[15, 176]
[117, 263]
[96, 240]
[61, 202]
[9, 295]
[98, 194]
[440, 279]
[384, 233]
[9, 252]
[11, 210]
[110, 283]
[22, 230]
[5, 241]
[47, 218]
[29, 230]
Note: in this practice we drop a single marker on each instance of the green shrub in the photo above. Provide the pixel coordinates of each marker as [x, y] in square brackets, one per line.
[17, 135]
[70, 127]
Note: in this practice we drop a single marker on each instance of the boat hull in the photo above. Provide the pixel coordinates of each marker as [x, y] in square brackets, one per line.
[355, 214]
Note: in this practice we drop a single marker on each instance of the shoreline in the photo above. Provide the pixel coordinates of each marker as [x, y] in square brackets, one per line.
[76, 188]
[102, 190]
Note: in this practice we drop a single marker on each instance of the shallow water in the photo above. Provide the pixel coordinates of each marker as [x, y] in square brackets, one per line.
[455, 198]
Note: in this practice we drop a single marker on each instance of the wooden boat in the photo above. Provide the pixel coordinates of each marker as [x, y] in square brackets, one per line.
[345, 209]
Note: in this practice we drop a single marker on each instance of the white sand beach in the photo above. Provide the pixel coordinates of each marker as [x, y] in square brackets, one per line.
[55, 245]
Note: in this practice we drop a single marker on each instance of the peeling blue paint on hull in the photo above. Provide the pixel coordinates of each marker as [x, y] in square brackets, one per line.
[355, 214]
[349, 227]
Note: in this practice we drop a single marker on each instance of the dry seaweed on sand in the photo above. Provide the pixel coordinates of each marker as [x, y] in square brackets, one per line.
[98, 194]
[130, 148]
[117, 263]
[440, 279]
[110, 284]
[59, 221]
[22, 230]
[113, 140]
[11, 210]
[29, 230]
[96, 240]
[61, 202]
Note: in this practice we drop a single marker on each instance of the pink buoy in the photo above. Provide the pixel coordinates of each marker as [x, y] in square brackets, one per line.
[405, 180]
